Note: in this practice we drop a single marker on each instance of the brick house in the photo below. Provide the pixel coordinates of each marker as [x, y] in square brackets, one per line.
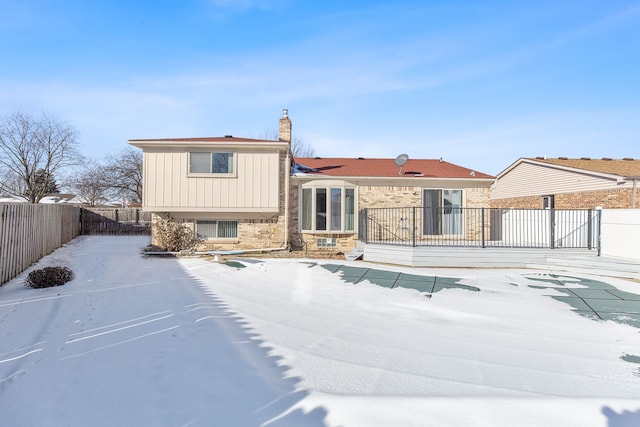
[564, 183]
[250, 194]
[328, 193]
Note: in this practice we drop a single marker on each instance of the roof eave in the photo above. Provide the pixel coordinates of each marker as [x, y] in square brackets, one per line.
[149, 144]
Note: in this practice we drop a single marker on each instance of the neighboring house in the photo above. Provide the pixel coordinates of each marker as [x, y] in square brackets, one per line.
[564, 183]
[250, 194]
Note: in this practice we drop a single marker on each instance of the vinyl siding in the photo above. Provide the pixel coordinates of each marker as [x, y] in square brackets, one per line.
[254, 188]
[537, 180]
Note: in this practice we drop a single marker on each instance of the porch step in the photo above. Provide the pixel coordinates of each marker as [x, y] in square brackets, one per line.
[354, 255]
[612, 267]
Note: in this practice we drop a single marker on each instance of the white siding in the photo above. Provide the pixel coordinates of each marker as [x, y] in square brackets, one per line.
[168, 187]
[537, 180]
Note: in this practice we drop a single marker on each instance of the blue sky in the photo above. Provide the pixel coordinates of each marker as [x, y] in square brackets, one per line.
[480, 84]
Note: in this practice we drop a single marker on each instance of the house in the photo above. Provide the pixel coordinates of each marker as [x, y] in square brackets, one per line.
[327, 195]
[251, 194]
[565, 183]
[231, 191]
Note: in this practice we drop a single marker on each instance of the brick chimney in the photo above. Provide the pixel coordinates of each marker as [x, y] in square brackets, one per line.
[285, 127]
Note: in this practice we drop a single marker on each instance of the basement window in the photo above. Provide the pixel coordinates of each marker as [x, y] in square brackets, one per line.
[217, 229]
[326, 243]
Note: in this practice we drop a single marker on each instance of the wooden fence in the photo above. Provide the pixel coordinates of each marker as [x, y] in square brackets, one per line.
[28, 232]
[115, 221]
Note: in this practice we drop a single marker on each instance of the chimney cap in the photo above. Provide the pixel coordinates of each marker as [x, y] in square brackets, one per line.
[285, 113]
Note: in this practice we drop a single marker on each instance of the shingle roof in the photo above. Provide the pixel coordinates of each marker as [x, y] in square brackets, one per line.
[621, 167]
[227, 138]
[362, 167]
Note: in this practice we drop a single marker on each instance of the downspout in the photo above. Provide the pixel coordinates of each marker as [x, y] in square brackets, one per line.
[287, 190]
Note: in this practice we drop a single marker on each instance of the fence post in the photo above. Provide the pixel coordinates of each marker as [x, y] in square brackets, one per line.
[589, 229]
[552, 227]
[599, 232]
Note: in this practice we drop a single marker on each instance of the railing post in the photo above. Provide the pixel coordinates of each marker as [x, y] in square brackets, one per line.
[483, 229]
[413, 227]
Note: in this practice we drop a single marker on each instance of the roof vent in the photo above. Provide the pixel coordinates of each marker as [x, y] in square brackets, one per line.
[563, 158]
[585, 158]
[628, 158]
[360, 158]
[228, 136]
[607, 158]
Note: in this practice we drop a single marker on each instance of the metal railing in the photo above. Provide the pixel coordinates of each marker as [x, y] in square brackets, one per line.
[481, 227]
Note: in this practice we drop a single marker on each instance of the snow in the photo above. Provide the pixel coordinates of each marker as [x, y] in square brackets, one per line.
[190, 342]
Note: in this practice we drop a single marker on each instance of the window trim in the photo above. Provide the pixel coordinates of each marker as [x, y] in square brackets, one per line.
[231, 174]
[312, 216]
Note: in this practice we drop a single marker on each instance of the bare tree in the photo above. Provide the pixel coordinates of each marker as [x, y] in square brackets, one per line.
[123, 174]
[299, 148]
[90, 184]
[32, 151]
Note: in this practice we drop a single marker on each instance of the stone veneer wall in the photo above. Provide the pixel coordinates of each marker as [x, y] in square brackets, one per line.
[607, 199]
[369, 197]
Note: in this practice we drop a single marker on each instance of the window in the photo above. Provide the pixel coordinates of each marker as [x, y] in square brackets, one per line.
[442, 212]
[217, 229]
[328, 209]
[326, 243]
[211, 162]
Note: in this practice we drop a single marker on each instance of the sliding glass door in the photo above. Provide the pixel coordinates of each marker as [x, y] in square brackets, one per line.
[442, 212]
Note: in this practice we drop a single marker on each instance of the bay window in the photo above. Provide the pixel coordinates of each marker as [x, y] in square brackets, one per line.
[329, 209]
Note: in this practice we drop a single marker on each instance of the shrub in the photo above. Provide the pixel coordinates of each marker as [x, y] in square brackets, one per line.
[48, 277]
[174, 237]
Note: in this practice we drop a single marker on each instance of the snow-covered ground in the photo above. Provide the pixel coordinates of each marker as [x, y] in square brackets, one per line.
[149, 341]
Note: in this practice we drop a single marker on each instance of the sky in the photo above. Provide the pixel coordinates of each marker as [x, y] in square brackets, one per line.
[479, 84]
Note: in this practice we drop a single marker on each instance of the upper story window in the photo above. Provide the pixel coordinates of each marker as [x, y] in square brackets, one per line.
[328, 209]
[212, 162]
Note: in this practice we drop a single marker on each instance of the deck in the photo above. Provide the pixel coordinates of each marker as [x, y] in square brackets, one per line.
[571, 260]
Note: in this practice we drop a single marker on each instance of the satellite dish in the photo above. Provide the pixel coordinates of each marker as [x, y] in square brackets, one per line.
[401, 160]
